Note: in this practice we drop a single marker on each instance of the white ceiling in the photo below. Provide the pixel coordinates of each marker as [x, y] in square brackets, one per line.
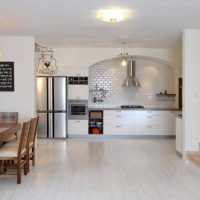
[64, 23]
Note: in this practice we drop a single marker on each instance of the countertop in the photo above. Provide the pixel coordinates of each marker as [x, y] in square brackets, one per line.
[138, 109]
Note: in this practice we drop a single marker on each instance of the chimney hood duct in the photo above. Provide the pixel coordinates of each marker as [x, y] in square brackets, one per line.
[131, 80]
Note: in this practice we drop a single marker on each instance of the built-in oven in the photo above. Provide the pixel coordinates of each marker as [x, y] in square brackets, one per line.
[78, 109]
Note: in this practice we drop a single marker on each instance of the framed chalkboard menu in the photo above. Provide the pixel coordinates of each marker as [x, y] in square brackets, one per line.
[6, 76]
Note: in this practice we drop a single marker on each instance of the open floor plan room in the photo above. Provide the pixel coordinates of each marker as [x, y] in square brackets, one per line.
[100, 100]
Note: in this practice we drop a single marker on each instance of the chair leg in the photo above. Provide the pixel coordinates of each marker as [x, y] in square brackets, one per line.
[1, 166]
[33, 155]
[27, 162]
[25, 165]
[25, 169]
[19, 173]
[4, 167]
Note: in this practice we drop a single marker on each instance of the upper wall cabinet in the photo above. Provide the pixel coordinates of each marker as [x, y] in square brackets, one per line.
[78, 92]
[78, 87]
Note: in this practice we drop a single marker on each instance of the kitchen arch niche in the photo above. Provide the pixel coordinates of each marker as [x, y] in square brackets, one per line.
[154, 75]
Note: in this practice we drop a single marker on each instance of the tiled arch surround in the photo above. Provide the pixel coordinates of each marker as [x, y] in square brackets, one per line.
[154, 77]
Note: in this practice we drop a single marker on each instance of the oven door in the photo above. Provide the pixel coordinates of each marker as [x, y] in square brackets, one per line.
[78, 110]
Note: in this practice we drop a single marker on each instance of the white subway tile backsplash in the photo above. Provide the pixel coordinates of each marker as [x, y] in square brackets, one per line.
[153, 77]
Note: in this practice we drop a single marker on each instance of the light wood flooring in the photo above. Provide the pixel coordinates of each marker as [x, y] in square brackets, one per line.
[106, 169]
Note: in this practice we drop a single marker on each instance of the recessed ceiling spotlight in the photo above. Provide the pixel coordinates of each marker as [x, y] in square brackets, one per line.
[113, 15]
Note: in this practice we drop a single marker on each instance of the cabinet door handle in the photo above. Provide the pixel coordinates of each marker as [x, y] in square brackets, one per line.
[118, 111]
[118, 126]
[149, 111]
[149, 126]
[77, 121]
[118, 116]
[149, 117]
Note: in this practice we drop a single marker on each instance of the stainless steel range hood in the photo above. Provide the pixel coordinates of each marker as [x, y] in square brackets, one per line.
[131, 80]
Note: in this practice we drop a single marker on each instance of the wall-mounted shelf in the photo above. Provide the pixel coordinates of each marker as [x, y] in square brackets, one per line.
[166, 95]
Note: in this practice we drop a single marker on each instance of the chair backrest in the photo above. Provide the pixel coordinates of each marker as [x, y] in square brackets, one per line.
[24, 138]
[9, 117]
[33, 129]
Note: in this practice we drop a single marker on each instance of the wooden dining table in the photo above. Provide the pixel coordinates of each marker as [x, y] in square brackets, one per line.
[7, 129]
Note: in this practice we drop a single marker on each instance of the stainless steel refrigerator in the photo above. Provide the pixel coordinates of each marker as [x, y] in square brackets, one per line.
[52, 107]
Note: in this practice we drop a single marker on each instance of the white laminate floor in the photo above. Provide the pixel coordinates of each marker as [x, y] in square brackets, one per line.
[106, 169]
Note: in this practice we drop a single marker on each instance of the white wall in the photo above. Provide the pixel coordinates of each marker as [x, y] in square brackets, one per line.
[79, 59]
[21, 50]
[191, 89]
[85, 57]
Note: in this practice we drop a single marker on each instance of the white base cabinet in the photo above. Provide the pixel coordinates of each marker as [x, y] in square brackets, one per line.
[149, 122]
[179, 135]
[77, 127]
[170, 123]
[118, 122]
[143, 122]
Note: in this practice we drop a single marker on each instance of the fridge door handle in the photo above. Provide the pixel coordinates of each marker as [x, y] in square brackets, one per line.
[50, 123]
[50, 94]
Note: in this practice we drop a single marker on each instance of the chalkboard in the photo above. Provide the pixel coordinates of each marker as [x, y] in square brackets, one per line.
[6, 76]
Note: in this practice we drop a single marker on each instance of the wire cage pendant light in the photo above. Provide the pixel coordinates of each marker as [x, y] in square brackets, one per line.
[47, 64]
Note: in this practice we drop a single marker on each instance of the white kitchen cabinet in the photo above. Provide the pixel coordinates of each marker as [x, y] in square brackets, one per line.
[179, 135]
[118, 129]
[150, 123]
[141, 122]
[170, 123]
[149, 112]
[118, 122]
[147, 129]
[77, 127]
[156, 120]
[78, 92]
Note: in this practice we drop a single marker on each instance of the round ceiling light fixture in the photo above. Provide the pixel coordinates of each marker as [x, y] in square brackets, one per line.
[113, 15]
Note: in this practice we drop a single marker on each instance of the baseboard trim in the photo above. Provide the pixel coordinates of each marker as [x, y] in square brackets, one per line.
[121, 136]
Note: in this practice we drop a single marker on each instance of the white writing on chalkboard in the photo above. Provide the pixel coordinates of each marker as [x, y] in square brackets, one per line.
[6, 76]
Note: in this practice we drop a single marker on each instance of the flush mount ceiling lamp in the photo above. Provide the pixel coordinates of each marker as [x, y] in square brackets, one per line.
[47, 64]
[124, 55]
[113, 15]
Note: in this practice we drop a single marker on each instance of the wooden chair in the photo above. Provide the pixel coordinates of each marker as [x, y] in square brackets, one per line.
[31, 142]
[18, 154]
[9, 118]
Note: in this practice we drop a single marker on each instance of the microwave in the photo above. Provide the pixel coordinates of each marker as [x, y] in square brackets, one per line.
[78, 109]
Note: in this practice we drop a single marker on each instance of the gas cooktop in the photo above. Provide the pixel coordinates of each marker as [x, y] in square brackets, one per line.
[132, 106]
